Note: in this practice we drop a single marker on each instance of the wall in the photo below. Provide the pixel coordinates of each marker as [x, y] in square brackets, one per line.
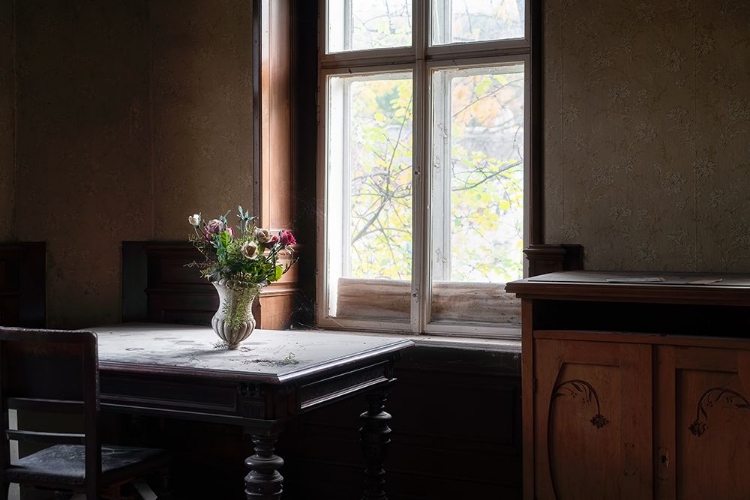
[202, 111]
[7, 121]
[131, 116]
[647, 132]
[83, 147]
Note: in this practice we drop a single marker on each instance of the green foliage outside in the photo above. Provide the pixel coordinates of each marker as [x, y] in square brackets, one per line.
[486, 187]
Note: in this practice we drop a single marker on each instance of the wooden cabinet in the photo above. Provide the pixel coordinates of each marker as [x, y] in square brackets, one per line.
[702, 431]
[635, 390]
[593, 402]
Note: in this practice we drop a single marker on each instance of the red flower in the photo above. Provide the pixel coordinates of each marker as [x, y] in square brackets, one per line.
[286, 238]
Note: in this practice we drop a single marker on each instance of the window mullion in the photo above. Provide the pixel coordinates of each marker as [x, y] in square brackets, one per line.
[421, 282]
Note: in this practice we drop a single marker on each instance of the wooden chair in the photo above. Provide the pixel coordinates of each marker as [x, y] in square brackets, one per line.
[56, 372]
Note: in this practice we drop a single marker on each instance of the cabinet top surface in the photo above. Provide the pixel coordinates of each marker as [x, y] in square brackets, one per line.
[647, 286]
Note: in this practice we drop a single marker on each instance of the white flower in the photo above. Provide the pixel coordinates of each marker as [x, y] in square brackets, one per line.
[249, 250]
[263, 235]
[194, 219]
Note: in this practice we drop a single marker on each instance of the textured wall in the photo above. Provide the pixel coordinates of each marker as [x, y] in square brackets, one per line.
[202, 110]
[7, 122]
[131, 116]
[83, 147]
[647, 118]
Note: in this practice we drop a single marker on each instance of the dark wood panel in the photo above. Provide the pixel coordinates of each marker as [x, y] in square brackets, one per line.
[23, 284]
[683, 319]
[455, 432]
[159, 287]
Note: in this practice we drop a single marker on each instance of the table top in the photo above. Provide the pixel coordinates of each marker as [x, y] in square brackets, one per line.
[268, 356]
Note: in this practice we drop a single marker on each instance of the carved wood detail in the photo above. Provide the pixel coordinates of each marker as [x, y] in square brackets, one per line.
[264, 482]
[375, 437]
[575, 388]
[708, 400]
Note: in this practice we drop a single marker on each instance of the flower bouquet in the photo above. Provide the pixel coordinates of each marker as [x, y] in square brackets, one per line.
[239, 261]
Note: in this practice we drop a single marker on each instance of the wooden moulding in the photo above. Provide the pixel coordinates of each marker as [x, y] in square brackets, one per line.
[158, 287]
[544, 258]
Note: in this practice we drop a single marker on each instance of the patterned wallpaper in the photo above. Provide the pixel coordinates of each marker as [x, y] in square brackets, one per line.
[7, 101]
[83, 147]
[647, 132]
[202, 110]
[131, 116]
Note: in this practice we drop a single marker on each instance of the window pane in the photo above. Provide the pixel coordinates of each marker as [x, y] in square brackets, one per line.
[366, 25]
[477, 189]
[368, 217]
[459, 21]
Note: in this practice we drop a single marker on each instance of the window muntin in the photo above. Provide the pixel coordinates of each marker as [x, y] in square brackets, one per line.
[463, 296]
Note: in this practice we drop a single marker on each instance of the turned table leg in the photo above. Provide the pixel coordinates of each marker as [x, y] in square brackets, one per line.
[375, 436]
[264, 481]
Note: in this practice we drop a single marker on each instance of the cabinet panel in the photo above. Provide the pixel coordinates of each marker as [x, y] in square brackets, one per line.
[703, 426]
[593, 420]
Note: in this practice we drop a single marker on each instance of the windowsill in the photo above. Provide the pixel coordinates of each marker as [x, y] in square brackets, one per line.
[497, 345]
[445, 341]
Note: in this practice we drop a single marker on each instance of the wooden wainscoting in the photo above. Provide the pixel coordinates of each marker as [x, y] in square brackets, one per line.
[456, 431]
[22, 284]
[159, 287]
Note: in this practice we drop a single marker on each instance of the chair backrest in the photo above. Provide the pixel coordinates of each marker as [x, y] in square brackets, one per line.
[51, 372]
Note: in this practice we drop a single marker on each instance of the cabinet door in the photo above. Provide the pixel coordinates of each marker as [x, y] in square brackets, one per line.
[703, 423]
[593, 420]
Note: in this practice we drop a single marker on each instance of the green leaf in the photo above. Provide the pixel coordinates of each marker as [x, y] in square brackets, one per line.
[225, 238]
[278, 273]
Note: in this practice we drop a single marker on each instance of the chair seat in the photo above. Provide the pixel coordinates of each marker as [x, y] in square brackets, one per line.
[64, 464]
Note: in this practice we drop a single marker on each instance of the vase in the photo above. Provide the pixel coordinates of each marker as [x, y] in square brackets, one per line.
[234, 321]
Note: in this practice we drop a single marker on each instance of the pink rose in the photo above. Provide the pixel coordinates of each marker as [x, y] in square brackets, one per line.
[214, 226]
[230, 230]
[286, 238]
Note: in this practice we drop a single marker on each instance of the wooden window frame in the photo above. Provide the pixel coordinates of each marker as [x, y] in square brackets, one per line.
[286, 115]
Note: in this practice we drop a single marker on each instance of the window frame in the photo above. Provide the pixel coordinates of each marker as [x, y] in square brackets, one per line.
[421, 59]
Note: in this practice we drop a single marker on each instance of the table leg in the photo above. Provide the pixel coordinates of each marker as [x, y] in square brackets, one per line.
[264, 481]
[375, 436]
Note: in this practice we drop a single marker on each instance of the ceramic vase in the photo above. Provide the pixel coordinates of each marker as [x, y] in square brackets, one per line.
[234, 321]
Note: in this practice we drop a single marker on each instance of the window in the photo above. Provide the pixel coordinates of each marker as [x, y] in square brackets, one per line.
[423, 160]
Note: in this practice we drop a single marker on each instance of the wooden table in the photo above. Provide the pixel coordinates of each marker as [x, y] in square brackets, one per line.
[178, 371]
